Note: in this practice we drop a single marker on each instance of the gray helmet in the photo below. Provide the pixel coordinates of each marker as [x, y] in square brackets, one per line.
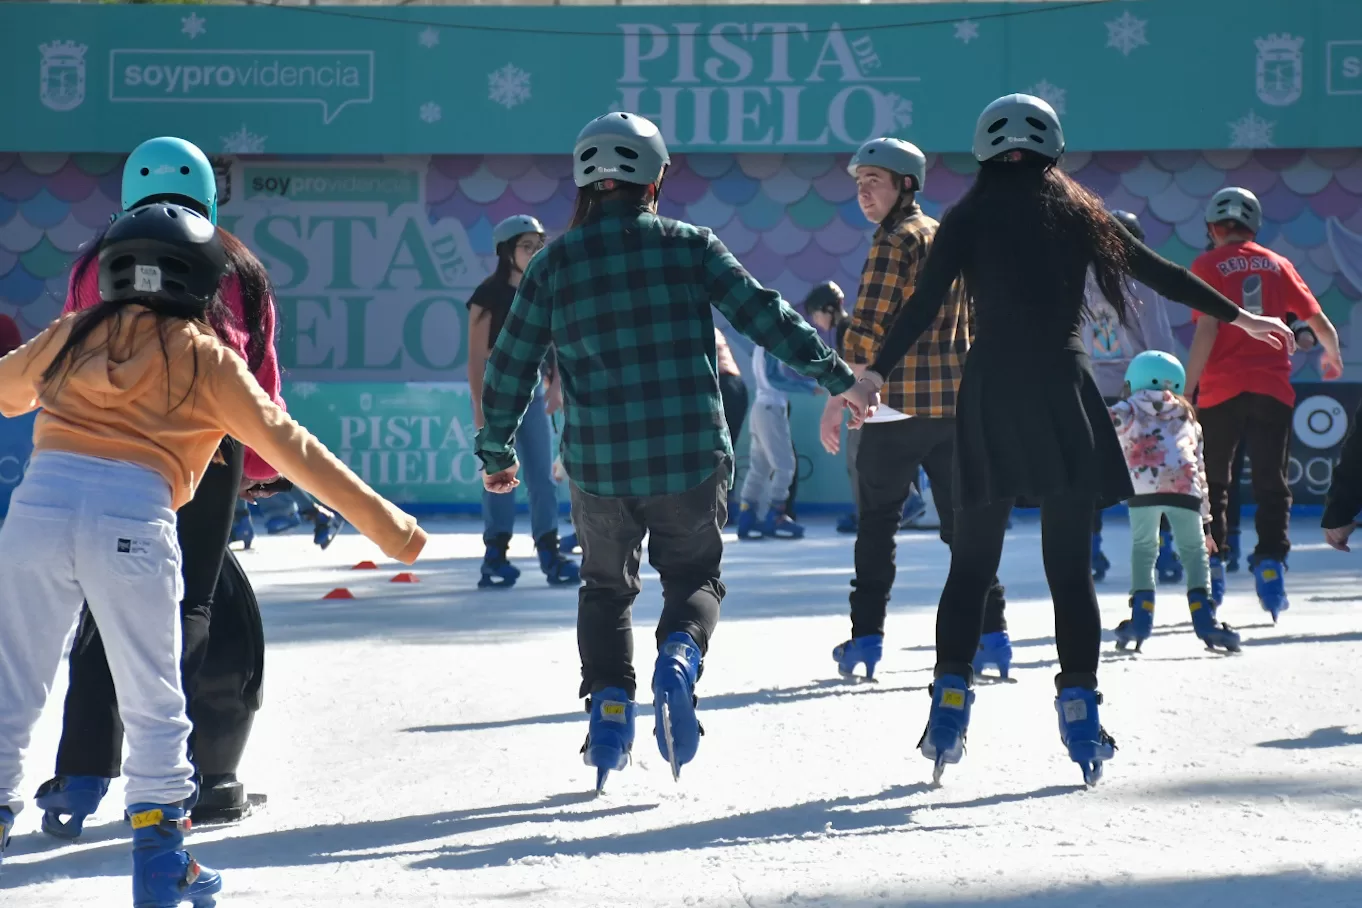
[514, 226]
[1018, 121]
[1130, 222]
[894, 155]
[619, 146]
[1235, 204]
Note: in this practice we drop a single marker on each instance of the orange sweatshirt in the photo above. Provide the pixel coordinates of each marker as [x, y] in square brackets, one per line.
[114, 405]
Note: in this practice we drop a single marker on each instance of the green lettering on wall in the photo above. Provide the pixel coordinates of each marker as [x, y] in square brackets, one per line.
[342, 246]
[291, 330]
[413, 334]
[268, 245]
[356, 331]
[417, 259]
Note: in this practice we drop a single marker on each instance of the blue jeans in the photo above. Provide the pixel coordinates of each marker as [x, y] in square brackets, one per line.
[534, 449]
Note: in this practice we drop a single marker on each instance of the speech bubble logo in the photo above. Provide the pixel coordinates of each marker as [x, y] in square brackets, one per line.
[300, 183]
[334, 79]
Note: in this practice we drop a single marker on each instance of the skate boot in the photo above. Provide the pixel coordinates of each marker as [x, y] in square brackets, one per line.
[943, 741]
[1232, 556]
[326, 527]
[1100, 562]
[219, 799]
[1271, 586]
[285, 521]
[1081, 730]
[1137, 628]
[1217, 582]
[778, 524]
[747, 521]
[73, 797]
[1168, 564]
[559, 570]
[994, 649]
[1203, 621]
[678, 731]
[867, 650]
[243, 530]
[568, 544]
[497, 572]
[846, 524]
[610, 734]
[913, 508]
[164, 875]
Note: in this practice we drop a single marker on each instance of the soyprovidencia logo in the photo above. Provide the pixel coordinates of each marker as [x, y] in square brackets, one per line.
[333, 79]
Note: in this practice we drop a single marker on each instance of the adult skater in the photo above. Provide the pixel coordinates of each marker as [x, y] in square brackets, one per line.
[137, 394]
[92, 734]
[733, 392]
[1112, 346]
[625, 298]
[1244, 389]
[1030, 419]
[518, 240]
[916, 424]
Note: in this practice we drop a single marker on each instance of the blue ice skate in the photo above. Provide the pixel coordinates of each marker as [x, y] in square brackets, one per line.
[1212, 634]
[1232, 556]
[846, 524]
[943, 741]
[72, 797]
[867, 651]
[747, 521]
[1137, 628]
[6, 824]
[1217, 582]
[164, 875]
[1168, 564]
[1082, 733]
[1100, 562]
[498, 572]
[994, 649]
[610, 735]
[559, 570]
[327, 528]
[1271, 586]
[568, 544]
[677, 731]
[243, 529]
[778, 525]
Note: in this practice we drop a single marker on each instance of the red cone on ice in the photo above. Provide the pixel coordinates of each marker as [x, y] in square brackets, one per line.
[339, 592]
[365, 566]
[405, 577]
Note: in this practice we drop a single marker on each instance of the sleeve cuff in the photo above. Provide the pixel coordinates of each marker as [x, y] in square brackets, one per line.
[839, 380]
[1335, 516]
[496, 461]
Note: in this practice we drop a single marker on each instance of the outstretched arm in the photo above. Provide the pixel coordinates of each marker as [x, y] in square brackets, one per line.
[513, 371]
[940, 270]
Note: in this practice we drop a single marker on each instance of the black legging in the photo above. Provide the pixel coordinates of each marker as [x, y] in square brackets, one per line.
[92, 733]
[1066, 550]
[734, 394]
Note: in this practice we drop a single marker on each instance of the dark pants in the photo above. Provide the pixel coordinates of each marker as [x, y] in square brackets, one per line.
[1263, 423]
[794, 481]
[1066, 551]
[685, 547]
[92, 733]
[886, 468]
[733, 392]
[1233, 512]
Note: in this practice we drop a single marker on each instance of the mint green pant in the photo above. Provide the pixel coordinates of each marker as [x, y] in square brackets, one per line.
[1187, 536]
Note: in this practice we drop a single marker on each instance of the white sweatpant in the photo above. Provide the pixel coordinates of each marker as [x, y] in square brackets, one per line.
[771, 459]
[103, 531]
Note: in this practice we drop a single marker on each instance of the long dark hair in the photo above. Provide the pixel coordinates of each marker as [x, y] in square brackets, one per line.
[256, 289]
[1039, 221]
[589, 198]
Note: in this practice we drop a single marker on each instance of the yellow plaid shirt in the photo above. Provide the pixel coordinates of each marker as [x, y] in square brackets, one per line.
[925, 382]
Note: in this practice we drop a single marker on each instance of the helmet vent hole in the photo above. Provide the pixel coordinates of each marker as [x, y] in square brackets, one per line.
[627, 168]
[588, 154]
[997, 125]
[174, 215]
[997, 140]
[184, 169]
[626, 152]
[122, 263]
[590, 169]
[1037, 139]
[146, 172]
[172, 266]
[122, 284]
[1037, 125]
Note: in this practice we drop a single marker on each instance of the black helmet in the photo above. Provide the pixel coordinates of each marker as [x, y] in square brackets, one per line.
[162, 252]
[1129, 222]
[825, 297]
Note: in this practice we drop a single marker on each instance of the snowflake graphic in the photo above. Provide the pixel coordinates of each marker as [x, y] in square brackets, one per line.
[243, 141]
[1126, 33]
[966, 31]
[193, 25]
[429, 37]
[303, 389]
[508, 86]
[1251, 131]
[1056, 97]
[899, 111]
[430, 112]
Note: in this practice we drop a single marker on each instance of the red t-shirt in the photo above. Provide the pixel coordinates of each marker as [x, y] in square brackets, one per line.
[1264, 283]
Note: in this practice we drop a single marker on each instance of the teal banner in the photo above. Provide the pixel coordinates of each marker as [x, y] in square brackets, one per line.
[1129, 75]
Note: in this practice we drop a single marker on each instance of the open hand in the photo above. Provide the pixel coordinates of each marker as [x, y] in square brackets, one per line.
[1271, 331]
[830, 425]
[861, 399]
[1337, 537]
[502, 481]
[1330, 366]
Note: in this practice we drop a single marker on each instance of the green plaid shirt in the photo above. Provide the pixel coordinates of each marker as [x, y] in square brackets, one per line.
[625, 301]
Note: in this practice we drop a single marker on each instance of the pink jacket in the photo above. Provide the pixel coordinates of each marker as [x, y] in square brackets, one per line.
[87, 295]
[1162, 443]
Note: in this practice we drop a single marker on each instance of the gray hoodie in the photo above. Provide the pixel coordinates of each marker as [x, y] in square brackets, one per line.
[1112, 346]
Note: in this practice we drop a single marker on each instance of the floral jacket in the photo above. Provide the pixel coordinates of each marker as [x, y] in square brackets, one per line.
[1162, 443]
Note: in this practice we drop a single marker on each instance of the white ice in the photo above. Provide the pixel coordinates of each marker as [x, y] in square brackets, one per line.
[419, 746]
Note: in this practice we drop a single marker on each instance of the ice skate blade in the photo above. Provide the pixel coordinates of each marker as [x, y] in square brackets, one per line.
[601, 775]
[938, 770]
[1092, 773]
[70, 829]
[666, 720]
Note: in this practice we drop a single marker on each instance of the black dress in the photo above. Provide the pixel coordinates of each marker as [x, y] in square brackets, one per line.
[1030, 421]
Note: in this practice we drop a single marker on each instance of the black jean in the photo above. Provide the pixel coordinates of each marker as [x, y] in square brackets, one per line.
[1066, 549]
[735, 398]
[886, 468]
[92, 733]
[1234, 511]
[1263, 425]
[685, 547]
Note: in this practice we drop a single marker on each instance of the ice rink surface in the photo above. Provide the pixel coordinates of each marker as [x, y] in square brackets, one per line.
[419, 746]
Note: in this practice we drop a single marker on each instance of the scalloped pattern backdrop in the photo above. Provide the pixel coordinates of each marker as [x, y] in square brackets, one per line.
[792, 219]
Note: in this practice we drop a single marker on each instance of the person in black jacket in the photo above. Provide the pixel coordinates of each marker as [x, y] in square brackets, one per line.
[1344, 501]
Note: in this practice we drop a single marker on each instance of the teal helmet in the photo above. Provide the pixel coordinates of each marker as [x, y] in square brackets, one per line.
[1155, 370]
[895, 156]
[619, 146]
[1018, 121]
[168, 166]
[1234, 203]
[514, 226]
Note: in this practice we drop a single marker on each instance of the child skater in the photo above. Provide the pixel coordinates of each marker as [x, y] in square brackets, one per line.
[1162, 443]
[136, 396]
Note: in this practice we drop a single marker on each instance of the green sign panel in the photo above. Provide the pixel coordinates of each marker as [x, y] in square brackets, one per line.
[1133, 75]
